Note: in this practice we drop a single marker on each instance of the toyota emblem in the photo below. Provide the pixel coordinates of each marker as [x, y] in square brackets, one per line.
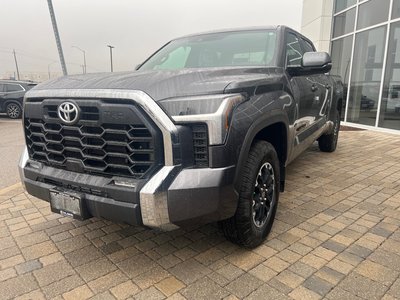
[68, 112]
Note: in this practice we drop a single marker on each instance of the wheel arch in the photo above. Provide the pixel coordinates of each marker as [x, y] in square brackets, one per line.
[8, 101]
[273, 128]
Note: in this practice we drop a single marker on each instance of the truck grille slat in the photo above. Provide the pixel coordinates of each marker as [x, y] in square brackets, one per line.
[200, 144]
[100, 149]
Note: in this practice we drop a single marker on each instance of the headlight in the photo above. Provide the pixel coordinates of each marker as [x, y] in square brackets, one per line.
[216, 111]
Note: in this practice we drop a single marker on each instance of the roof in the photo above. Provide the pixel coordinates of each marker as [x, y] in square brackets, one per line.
[270, 27]
[16, 81]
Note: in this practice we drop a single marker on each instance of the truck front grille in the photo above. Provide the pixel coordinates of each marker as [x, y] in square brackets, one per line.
[107, 149]
[88, 113]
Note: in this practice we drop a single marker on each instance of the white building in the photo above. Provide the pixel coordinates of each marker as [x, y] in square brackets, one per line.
[363, 37]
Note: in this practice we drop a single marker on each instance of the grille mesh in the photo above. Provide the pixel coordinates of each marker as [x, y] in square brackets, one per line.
[107, 149]
[200, 144]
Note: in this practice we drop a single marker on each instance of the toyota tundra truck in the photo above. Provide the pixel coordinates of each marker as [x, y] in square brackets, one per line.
[202, 131]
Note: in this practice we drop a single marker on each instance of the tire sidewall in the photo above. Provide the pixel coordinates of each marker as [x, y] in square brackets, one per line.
[272, 158]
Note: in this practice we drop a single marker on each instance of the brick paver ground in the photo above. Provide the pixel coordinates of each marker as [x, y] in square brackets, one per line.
[336, 236]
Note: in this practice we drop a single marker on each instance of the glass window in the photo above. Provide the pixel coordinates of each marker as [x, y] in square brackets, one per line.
[249, 48]
[344, 23]
[294, 52]
[390, 107]
[372, 12]
[343, 4]
[175, 60]
[366, 76]
[396, 9]
[341, 59]
[13, 88]
[307, 46]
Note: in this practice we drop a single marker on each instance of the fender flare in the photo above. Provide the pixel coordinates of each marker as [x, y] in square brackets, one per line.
[267, 119]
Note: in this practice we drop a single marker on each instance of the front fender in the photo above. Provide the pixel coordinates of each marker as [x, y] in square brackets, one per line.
[267, 119]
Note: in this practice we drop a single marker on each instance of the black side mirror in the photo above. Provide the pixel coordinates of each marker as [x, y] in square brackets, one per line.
[312, 63]
[317, 62]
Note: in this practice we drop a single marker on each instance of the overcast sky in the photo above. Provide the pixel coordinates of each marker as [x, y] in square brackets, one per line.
[135, 27]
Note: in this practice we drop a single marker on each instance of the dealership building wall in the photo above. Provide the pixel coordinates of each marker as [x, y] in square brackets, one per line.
[363, 38]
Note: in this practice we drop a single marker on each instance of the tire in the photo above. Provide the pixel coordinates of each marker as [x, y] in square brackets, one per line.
[13, 110]
[260, 179]
[328, 142]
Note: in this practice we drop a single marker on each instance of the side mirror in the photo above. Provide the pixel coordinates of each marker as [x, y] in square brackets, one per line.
[316, 62]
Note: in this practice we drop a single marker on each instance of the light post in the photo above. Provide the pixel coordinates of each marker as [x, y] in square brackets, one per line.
[84, 58]
[111, 58]
[16, 63]
[57, 36]
[48, 68]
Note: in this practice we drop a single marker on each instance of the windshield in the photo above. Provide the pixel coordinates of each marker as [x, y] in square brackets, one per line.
[228, 49]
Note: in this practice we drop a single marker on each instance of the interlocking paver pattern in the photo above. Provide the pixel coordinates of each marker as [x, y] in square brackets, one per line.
[336, 236]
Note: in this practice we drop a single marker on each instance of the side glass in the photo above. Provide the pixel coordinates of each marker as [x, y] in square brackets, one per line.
[344, 23]
[343, 4]
[366, 76]
[294, 53]
[307, 46]
[341, 59]
[396, 9]
[13, 87]
[372, 12]
[390, 107]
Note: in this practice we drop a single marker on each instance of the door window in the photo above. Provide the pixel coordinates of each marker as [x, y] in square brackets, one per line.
[307, 46]
[13, 88]
[294, 52]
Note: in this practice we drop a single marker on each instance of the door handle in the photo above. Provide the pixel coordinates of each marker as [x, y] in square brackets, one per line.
[314, 88]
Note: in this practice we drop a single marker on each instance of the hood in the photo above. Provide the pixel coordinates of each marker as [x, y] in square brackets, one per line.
[169, 83]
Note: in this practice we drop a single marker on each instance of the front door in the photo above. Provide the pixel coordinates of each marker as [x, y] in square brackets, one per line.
[301, 87]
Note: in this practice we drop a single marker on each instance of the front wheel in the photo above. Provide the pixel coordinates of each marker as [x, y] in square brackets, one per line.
[328, 142]
[13, 110]
[258, 198]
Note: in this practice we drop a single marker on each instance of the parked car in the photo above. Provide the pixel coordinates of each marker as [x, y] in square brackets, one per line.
[203, 131]
[11, 96]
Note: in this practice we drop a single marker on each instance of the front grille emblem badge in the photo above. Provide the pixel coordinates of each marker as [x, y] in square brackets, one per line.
[68, 112]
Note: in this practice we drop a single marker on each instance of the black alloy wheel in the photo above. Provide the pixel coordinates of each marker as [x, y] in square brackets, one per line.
[13, 111]
[263, 197]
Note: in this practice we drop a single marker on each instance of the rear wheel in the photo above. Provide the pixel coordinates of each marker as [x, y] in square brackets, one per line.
[328, 142]
[13, 110]
[258, 198]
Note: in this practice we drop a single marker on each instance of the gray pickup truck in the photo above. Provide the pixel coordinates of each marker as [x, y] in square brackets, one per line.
[202, 131]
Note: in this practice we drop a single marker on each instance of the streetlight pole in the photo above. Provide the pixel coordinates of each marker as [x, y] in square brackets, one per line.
[84, 58]
[57, 36]
[16, 63]
[111, 58]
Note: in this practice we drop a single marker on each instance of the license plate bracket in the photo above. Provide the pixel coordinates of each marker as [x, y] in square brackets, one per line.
[68, 204]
